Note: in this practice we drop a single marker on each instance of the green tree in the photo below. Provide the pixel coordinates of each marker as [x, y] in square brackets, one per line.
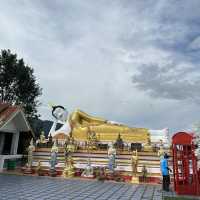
[18, 84]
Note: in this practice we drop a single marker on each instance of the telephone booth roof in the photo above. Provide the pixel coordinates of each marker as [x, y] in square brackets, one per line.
[182, 138]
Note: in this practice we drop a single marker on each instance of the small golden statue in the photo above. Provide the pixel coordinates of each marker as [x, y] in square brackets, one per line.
[134, 163]
[92, 140]
[148, 147]
[39, 169]
[70, 145]
[42, 138]
[69, 170]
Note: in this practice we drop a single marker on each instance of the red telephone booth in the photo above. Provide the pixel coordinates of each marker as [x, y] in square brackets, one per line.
[185, 164]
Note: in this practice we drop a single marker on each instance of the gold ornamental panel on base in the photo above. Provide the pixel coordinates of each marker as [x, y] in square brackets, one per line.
[105, 133]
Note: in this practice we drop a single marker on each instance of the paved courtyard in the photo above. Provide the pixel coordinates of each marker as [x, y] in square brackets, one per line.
[14, 187]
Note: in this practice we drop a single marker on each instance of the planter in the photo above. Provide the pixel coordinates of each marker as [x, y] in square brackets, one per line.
[11, 165]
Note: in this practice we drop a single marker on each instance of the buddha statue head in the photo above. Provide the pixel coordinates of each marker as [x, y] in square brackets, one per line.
[59, 113]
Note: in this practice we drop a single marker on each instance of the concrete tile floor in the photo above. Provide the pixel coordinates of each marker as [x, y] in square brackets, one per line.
[13, 187]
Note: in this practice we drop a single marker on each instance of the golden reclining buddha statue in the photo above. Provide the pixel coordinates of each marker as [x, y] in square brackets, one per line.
[106, 131]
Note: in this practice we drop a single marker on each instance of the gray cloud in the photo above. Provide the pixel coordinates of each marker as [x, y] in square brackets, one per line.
[195, 44]
[114, 59]
[168, 66]
[169, 81]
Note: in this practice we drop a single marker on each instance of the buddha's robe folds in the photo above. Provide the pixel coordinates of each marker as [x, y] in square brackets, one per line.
[82, 124]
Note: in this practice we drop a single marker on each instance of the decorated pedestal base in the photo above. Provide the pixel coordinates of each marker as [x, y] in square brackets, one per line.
[110, 175]
[135, 179]
[68, 173]
[27, 170]
[40, 173]
[52, 173]
[88, 176]
[69, 170]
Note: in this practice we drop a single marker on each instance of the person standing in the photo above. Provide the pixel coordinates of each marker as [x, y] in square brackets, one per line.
[165, 172]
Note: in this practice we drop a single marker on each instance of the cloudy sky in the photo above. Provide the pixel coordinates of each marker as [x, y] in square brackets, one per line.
[132, 61]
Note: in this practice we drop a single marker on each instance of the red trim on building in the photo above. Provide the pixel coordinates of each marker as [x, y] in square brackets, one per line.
[7, 111]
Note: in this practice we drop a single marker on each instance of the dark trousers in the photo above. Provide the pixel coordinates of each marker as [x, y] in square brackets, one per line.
[166, 182]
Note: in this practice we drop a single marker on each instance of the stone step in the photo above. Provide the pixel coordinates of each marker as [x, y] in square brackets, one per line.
[125, 159]
[103, 160]
[93, 155]
[104, 152]
[120, 167]
[60, 169]
[100, 158]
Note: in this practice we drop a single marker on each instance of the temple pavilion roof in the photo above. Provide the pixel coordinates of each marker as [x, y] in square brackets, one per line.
[10, 112]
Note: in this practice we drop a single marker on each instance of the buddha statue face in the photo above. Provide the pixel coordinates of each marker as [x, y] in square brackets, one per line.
[60, 113]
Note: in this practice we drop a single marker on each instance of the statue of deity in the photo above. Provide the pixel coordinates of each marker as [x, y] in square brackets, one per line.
[119, 144]
[111, 157]
[66, 152]
[53, 161]
[144, 173]
[134, 161]
[31, 149]
[148, 147]
[92, 140]
[88, 172]
[42, 138]
[69, 169]
[70, 145]
[161, 150]
[39, 168]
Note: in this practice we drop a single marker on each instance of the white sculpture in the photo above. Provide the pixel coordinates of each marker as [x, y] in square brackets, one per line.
[88, 172]
[157, 135]
[111, 157]
[31, 149]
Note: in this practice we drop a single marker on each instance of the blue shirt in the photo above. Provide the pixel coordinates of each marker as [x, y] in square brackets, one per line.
[164, 167]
